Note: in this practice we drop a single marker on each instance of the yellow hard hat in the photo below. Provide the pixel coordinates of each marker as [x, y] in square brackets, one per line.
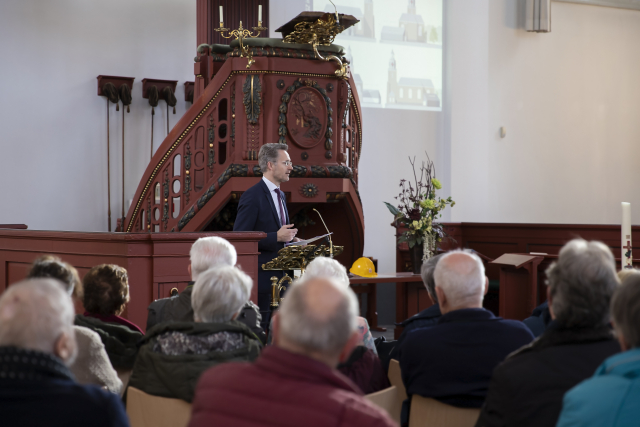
[363, 267]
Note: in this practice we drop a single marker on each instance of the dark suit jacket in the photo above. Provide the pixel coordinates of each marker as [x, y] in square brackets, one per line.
[452, 361]
[257, 212]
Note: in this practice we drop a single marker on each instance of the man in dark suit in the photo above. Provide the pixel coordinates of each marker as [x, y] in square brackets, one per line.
[263, 207]
[452, 361]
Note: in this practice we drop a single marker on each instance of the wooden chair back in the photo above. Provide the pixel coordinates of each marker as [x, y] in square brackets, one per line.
[145, 410]
[395, 378]
[427, 412]
[387, 399]
[124, 375]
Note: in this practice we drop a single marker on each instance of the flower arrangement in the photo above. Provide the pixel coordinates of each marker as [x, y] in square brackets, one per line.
[419, 207]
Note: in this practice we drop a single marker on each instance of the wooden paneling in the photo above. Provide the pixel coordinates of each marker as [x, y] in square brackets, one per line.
[155, 262]
[492, 240]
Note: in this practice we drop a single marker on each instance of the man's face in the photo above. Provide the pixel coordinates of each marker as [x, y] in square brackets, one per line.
[280, 170]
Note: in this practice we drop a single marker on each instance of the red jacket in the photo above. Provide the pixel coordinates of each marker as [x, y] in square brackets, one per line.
[281, 389]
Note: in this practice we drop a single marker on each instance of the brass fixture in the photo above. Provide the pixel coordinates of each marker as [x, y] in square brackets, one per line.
[276, 289]
[240, 34]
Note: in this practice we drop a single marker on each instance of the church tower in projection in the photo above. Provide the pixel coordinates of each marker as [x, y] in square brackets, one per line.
[412, 7]
[392, 80]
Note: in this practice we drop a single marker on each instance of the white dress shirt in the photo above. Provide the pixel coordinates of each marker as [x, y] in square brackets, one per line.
[276, 198]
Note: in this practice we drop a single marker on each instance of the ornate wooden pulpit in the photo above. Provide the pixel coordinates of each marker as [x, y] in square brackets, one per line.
[248, 94]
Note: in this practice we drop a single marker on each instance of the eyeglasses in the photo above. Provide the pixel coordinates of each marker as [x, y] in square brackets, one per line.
[287, 163]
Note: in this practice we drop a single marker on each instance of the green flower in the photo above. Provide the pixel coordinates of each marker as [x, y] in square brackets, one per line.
[428, 204]
[436, 184]
[416, 224]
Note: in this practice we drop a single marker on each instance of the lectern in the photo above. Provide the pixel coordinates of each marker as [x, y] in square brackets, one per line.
[518, 284]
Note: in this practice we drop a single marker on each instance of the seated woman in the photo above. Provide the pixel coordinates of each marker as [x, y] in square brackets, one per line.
[174, 355]
[363, 366]
[106, 294]
[91, 365]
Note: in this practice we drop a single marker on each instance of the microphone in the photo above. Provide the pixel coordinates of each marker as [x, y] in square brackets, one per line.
[328, 232]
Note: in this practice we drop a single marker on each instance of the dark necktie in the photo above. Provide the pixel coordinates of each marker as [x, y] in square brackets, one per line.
[282, 217]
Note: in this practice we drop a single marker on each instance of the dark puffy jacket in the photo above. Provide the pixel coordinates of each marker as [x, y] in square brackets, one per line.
[178, 309]
[120, 342]
[172, 356]
[364, 368]
[528, 387]
[282, 389]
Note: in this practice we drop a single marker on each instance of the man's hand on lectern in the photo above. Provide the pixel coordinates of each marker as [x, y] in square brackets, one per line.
[287, 233]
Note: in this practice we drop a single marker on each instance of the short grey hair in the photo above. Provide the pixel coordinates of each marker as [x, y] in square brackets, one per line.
[461, 284]
[219, 293]
[327, 268]
[427, 273]
[625, 309]
[269, 153]
[207, 252]
[301, 323]
[581, 284]
[34, 314]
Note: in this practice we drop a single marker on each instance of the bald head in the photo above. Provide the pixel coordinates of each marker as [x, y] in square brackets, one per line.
[318, 316]
[459, 276]
[37, 314]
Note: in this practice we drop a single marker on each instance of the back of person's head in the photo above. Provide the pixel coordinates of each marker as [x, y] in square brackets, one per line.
[54, 267]
[219, 294]
[329, 268]
[318, 316]
[427, 272]
[207, 252]
[622, 274]
[625, 311]
[581, 284]
[460, 276]
[37, 314]
[106, 289]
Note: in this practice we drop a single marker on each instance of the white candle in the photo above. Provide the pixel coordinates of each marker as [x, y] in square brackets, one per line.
[221, 18]
[259, 13]
[626, 255]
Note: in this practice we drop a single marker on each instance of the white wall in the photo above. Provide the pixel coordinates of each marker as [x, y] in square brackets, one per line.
[53, 124]
[569, 100]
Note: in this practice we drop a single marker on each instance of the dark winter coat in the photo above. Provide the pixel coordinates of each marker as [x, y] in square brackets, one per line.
[120, 342]
[172, 356]
[527, 389]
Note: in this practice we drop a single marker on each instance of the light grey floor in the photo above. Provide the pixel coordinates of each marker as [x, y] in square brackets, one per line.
[388, 334]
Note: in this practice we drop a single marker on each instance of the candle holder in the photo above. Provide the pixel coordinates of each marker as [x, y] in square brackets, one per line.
[240, 34]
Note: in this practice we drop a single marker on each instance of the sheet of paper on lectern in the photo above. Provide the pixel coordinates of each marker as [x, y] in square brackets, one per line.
[306, 242]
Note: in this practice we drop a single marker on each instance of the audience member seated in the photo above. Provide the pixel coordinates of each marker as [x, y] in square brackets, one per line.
[452, 360]
[37, 345]
[91, 366]
[611, 396]
[527, 389]
[206, 253]
[173, 355]
[294, 382]
[363, 366]
[539, 320]
[428, 316]
[106, 294]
